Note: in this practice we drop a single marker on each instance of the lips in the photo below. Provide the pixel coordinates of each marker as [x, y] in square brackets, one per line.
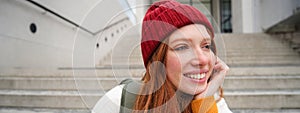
[197, 76]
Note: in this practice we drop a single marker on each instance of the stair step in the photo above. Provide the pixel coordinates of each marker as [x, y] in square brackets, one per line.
[240, 50]
[283, 49]
[265, 110]
[41, 110]
[268, 99]
[60, 84]
[252, 79]
[71, 84]
[48, 110]
[259, 63]
[278, 50]
[263, 99]
[265, 70]
[251, 39]
[234, 57]
[49, 99]
[138, 70]
[269, 59]
[262, 82]
[263, 54]
[230, 61]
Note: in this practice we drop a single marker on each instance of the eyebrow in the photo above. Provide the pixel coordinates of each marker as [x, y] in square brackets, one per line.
[207, 39]
[188, 39]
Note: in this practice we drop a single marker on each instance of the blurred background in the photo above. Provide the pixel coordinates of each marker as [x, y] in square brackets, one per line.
[61, 56]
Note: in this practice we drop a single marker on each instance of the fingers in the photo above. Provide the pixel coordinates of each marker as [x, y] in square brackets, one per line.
[220, 65]
[217, 78]
[221, 70]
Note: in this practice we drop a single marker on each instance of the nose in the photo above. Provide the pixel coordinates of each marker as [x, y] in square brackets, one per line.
[200, 58]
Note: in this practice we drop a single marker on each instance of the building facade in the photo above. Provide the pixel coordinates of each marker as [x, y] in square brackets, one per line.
[244, 16]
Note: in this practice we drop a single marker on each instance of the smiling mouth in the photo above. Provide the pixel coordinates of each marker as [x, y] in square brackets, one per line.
[195, 76]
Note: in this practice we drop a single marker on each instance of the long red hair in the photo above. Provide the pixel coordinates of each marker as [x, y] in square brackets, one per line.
[158, 94]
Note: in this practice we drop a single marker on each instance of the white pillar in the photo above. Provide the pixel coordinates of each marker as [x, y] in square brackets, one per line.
[243, 16]
[216, 11]
[237, 18]
[248, 16]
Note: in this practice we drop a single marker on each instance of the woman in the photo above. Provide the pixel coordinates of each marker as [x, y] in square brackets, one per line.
[182, 70]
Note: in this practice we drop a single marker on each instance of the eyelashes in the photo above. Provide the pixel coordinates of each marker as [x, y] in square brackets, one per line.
[181, 48]
[208, 46]
[186, 47]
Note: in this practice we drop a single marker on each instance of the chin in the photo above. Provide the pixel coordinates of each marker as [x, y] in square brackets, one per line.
[193, 90]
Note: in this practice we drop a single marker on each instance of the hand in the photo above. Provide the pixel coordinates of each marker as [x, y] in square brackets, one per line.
[217, 79]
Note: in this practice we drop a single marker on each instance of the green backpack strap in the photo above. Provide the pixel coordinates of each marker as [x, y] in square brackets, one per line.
[129, 93]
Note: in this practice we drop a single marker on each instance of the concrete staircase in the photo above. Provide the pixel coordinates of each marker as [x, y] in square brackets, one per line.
[264, 77]
[264, 74]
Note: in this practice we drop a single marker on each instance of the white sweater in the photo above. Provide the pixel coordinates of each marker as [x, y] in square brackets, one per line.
[110, 102]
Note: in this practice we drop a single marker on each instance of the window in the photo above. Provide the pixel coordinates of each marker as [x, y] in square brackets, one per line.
[225, 9]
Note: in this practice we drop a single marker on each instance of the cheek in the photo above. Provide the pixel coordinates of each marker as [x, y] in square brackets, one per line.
[212, 62]
[213, 59]
[173, 67]
[173, 62]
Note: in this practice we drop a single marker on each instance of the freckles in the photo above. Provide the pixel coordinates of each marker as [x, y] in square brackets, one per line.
[213, 60]
[174, 61]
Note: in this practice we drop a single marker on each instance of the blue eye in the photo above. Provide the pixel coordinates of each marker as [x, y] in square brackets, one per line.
[207, 46]
[180, 48]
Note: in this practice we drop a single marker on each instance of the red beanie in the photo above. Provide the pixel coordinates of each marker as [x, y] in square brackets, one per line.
[164, 17]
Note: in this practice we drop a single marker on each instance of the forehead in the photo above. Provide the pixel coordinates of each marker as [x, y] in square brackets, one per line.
[196, 31]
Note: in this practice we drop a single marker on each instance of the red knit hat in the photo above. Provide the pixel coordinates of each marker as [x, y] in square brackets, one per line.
[164, 17]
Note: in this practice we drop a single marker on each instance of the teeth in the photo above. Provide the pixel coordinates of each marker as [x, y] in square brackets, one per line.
[196, 76]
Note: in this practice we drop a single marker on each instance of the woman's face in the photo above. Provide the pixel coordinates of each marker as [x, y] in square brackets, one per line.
[190, 60]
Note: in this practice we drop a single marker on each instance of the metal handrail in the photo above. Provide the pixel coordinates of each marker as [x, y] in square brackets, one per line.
[73, 23]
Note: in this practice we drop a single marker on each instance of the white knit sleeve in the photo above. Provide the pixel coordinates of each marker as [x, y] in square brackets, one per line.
[110, 102]
[222, 106]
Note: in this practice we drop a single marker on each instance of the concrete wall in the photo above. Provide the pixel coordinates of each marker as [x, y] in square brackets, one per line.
[252, 16]
[274, 11]
[56, 44]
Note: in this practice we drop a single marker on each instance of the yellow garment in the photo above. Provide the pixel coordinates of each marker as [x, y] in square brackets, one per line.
[205, 105]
